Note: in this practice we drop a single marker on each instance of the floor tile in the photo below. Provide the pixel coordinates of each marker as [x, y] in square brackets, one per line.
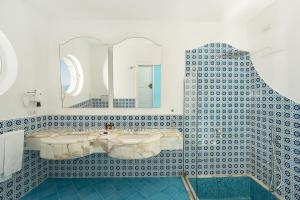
[168, 188]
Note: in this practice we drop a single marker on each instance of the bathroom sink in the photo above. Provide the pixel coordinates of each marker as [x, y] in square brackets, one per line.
[66, 147]
[138, 138]
[68, 139]
[135, 146]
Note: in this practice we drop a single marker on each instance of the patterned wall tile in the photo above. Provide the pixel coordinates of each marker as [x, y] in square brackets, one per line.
[168, 163]
[34, 170]
[273, 113]
[227, 93]
[92, 103]
[124, 103]
[215, 111]
[221, 94]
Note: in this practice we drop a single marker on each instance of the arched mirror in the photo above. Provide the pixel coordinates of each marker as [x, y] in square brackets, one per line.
[8, 64]
[137, 74]
[84, 73]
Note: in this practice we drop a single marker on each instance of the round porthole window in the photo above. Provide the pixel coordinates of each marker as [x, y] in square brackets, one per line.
[8, 64]
[71, 75]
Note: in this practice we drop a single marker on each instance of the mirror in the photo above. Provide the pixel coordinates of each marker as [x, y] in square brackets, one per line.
[137, 74]
[0, 64]
[84, 73]
[8, 64]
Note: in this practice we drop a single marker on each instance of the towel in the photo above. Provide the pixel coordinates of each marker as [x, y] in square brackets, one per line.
[13, 153]
[2, 148]
[2, 159]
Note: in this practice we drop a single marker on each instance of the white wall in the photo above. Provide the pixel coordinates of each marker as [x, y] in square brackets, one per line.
[28, 34]
[274, 42]
[36, 41]
[126, 57]
[174, 37]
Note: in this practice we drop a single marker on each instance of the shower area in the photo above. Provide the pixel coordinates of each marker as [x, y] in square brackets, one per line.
[231, 145]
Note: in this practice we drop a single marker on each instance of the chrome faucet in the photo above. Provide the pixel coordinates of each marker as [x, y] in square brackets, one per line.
[218, 133]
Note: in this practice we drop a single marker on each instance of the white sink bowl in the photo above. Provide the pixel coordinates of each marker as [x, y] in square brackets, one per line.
[66, 147]
[135, 146]
[137, 138]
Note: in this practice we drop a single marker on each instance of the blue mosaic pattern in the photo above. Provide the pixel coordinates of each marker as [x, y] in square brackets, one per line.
[228, 94]
[110, 189]
[35, 170]
[271, 111]
[92, 103]
[225, 94]
[119, 121]
[30, 124]
[215, 101]
[124, 103]
[167, 163]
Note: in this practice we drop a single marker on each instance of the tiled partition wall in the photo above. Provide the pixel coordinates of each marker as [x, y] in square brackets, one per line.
[215, 102]
[270, 111]
[229, 94]
[35, 170]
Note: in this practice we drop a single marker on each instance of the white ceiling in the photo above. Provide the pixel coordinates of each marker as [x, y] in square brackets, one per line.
[198, 10]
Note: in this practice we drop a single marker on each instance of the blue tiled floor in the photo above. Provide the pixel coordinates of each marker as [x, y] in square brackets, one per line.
[110, 189]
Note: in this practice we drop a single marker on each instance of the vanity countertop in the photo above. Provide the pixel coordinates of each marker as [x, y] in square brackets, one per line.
[62, 144]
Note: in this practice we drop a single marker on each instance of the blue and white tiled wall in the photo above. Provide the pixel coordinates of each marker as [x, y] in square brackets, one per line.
[168, 163]
[230, 95]
[92, 103]
[124, 103]
[215, 102]
[271, 111]
[220, 94]
[35, 169]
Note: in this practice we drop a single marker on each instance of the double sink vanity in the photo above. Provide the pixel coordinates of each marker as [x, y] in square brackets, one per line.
[64, 144]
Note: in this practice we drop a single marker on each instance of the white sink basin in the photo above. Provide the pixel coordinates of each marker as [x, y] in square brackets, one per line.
[69, 139]
[67, 146]
[135, 146]
[137, 138]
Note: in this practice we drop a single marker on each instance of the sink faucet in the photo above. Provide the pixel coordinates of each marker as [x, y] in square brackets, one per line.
[109, 126]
